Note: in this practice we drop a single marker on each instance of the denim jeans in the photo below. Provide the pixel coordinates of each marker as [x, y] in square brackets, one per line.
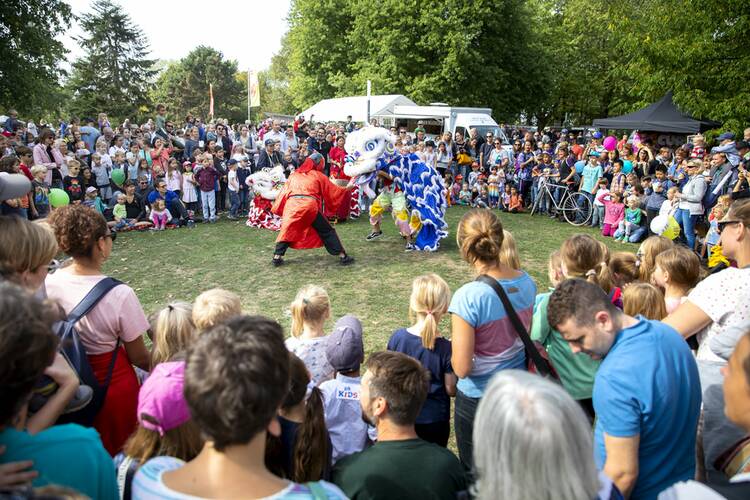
[687, 224]
[208, 202]
[234, 199]
[579, 216]
[464, 411]
[244, 200]
[597, 216]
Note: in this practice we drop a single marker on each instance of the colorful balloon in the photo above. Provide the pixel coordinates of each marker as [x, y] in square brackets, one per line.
[579, 166]
[610, 143]
[118, 176]
[665, 225]
[58, 198]
[627, 166]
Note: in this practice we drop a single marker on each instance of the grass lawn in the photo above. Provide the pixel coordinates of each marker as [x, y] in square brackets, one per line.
[179, 264]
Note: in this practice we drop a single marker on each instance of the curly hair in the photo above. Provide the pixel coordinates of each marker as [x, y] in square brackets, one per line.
[27, 346]
[77, 229]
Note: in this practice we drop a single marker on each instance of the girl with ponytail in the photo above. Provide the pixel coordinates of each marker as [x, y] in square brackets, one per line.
[310, 310]
[302, 452]
[430, 297]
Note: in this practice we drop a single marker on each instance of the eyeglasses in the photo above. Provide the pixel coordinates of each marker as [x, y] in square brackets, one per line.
[111, 235]
[722, 224]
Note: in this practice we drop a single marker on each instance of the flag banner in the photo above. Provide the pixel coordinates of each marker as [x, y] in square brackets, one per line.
[210, 100]
[253, 89]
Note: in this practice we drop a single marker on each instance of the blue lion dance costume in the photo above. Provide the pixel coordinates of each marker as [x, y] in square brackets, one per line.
[413, 191]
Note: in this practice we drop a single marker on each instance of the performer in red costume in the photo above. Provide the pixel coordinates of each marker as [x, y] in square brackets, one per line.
[347, 209]
[300, 205]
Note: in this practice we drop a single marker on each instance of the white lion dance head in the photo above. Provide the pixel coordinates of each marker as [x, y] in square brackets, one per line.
[267, 183]
[367, 150]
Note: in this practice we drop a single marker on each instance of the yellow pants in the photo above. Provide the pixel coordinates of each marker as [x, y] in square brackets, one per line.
[396, 204]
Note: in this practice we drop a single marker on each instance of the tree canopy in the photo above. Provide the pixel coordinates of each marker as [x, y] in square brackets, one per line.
[115, 74]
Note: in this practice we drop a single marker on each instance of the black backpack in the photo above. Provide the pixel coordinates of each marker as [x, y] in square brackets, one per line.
[72, 348]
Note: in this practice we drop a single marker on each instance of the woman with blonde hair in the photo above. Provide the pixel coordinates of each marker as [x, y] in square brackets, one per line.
[310, 310]
[173, 331]
[509, 251]
[484, 340]
[644, 299]
[430, 297]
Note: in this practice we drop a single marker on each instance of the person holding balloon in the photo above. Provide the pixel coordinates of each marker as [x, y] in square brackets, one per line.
[657, 194]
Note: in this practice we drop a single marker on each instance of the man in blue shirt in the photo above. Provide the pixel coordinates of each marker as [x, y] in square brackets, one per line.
[646, 392]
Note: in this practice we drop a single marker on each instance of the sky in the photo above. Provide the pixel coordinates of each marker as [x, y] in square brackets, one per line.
[247, 31]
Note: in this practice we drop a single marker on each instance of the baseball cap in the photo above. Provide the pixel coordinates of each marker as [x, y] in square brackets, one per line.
[91, 189]
[344, 348]
[269, 142]
[593, 152]
[13, 186]
[161, 403]
[726, 136]
[232, 162]
[597, 135]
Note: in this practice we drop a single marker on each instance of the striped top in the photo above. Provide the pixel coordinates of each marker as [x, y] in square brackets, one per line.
[148, 485]
[496, 343]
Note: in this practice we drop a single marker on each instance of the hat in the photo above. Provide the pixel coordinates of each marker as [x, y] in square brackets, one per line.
[597, 135]
[90, 189]
[726, 136]
[459, 177]
[13, 186]
[593, 152]
[344, 348]
[185, 163]
[161, 400]
[232, 162]
[269, 142]
[548, 153]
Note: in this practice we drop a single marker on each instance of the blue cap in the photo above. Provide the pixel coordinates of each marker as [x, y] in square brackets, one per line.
[726, 136]
[597, 135]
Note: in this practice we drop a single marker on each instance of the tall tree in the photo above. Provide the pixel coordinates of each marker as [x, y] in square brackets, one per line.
[184, 86]
[115, 73]
[30, 54]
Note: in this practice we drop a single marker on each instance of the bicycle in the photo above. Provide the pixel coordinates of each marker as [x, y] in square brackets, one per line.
[575, 207]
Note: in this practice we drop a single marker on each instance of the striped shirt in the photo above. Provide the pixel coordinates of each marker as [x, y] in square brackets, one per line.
[496, 343]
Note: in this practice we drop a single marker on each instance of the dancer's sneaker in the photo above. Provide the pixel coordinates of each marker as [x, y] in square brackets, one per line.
[410, 247]
[346, 260]
[277, 262]
[374, 235]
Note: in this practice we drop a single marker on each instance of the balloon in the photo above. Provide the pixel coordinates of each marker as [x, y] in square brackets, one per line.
[665, 225]
[58, 198]
[118, 176]
[610, 143]
[579, 166]
[627, 166]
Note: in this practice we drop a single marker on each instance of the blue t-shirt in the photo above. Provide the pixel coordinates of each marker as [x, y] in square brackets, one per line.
[67, 455]
[648, 385]
[168, 197]
[437, 407]
[591, 175]
[496, 343]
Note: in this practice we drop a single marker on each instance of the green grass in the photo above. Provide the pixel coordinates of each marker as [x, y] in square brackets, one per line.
[179, 264]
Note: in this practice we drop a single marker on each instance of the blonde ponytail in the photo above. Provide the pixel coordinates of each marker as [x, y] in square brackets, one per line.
[430, 297]
[584, 257]
[311, 304]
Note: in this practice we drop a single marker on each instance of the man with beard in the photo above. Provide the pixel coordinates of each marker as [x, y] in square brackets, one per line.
[399, 464]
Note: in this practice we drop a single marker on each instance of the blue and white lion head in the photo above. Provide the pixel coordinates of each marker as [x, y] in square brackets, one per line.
[367, 150]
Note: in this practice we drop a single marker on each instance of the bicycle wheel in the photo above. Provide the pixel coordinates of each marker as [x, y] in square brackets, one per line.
[577, 209]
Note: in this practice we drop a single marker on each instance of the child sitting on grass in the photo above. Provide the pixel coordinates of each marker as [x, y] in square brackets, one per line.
[515, 205]
[160, 215]
[310, 310]
[630, 228]
[430, 297]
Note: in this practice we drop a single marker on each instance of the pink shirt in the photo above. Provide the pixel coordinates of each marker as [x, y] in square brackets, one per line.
[118, 314]
[613, 212]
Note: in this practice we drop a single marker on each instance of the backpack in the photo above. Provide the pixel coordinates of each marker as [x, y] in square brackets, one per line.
[72, 348]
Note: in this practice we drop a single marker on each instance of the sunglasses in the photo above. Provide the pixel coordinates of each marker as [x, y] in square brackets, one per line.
[722, 224]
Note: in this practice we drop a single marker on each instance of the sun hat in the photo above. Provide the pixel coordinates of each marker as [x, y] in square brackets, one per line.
[161, 403]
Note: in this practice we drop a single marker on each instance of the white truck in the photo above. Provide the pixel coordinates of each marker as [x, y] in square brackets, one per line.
[439, 118]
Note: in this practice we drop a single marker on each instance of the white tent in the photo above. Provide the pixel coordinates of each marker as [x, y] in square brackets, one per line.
[336, 110]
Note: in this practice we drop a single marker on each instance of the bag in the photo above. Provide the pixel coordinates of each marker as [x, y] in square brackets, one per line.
[72, 348]
[537, 359]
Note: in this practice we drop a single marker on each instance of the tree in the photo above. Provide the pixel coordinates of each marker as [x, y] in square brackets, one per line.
[184, 86]
[29, 54]
[115, 74]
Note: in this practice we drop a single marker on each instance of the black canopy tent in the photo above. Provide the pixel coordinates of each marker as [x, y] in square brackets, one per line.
[661, 116]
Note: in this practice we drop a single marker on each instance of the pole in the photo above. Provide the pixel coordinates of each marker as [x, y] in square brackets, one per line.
[248, 96]
[369, 88]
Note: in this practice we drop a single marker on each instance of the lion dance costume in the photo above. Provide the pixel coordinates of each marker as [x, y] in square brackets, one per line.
[266, 185]
[413, 191]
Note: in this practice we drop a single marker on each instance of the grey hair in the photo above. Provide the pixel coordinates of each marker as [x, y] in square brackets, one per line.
[532, 442]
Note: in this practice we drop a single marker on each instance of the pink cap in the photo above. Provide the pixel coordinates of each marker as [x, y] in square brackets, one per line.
[161, 400]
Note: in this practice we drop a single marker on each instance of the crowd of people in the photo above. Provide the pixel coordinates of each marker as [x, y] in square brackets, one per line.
[649, 396]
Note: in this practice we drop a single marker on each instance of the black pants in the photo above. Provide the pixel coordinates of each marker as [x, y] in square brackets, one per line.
[435, 432]
[464, 411]
[326, 232]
